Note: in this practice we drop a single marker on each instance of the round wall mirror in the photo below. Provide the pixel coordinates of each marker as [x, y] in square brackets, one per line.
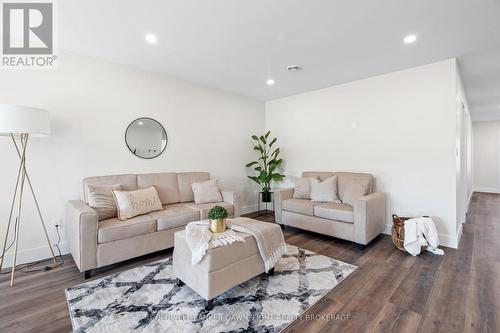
[146, 138]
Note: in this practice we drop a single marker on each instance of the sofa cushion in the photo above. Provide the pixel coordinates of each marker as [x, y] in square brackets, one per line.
[203, 209]
[173, 216]
[334, 211]
[127, 182]
[302, 188]
[101, 199]
[322, 176]
[165, 183]
[354, 190]
[185, 179]
[300, 206]
[346, 178]
[206, 192]
[113, 229]
[325, 191]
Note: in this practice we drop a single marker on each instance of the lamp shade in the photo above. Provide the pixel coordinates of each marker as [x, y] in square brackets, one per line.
[19, 120]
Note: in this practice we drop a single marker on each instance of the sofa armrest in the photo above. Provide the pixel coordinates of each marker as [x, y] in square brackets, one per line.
[279, 196]
[369, 217]
[233, 198]
[82, 223]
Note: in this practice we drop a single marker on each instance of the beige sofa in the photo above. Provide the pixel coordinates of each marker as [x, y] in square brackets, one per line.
[359, 223]
[96, 243]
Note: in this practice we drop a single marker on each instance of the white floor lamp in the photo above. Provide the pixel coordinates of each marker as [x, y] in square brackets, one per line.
[21, 123]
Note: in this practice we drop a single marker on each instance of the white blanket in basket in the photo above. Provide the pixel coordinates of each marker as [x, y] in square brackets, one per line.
[421, 231]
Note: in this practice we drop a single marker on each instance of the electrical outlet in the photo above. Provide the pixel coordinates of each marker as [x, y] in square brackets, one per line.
[57, 223]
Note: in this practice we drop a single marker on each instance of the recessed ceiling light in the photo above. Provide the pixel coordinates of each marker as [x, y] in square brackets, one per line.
[293, 68]
[141, 123]
[270, 82]
[410, 39]
[150, 38]
[498, 106]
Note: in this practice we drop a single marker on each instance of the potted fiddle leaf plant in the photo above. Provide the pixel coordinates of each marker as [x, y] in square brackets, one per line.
[217, 216]
[267, 164]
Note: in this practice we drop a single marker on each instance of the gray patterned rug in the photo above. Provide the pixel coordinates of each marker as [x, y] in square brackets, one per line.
[146, 299]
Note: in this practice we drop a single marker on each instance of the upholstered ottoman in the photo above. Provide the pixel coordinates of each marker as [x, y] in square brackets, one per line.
[221, 269]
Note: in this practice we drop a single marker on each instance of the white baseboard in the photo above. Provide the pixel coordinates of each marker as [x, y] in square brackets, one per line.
[444, 240]
[459, 235]
[388, 229]
[248, 209]
[253, 209]
[449, 241]
[486, 189]
[34, 254]
[470, 198]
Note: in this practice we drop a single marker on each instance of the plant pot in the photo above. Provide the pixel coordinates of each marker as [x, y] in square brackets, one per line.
[218, 225]
[266, 196]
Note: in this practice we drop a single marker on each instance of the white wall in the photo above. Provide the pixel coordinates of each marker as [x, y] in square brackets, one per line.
[400, 127]
[463, 154]
[486, 156]
[91, 103]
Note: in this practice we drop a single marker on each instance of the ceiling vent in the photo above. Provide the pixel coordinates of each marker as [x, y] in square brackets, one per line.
[293, 68]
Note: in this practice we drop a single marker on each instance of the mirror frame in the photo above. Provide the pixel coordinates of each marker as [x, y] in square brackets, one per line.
[156, 121]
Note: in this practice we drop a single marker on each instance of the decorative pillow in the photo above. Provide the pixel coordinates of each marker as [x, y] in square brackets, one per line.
[302, 189]
[325, 191]
[353, 191]
[102, 201]
[206, 192]
[134, 203]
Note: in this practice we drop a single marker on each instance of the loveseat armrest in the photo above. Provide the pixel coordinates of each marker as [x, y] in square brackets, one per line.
[369, 217]
[232, 197]
[280, 195]
[82, 223]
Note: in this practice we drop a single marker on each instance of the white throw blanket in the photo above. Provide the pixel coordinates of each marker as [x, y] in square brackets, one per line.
[268, 236]
[420, 232]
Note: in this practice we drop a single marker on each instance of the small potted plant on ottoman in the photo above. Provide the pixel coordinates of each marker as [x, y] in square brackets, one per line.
[217, 216]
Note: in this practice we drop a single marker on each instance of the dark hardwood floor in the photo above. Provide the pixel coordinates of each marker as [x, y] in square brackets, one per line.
[390, 291]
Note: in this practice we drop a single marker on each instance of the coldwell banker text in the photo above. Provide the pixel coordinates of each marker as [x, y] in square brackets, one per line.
[28, 35]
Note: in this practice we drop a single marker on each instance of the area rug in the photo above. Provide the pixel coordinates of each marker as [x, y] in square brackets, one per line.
[147, 299]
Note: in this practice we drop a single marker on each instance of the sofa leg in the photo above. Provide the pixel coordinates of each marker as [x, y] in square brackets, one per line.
[179, 283]
[87, 274]
[270, 272]
[282, 226]
[362, 247]
[209, 305]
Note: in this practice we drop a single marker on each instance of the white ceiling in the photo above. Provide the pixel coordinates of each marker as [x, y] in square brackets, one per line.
[236, 45]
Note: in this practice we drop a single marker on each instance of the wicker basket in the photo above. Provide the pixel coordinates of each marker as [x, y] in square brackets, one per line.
[398, 231]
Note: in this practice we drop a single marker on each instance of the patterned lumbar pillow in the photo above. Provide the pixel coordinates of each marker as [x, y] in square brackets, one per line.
[206, 192]
[102, 201]
[325, 191]
[302, 188]
[134, 203]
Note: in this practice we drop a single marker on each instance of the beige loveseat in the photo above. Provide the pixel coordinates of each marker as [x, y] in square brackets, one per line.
[359, 223]
[95, 243]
